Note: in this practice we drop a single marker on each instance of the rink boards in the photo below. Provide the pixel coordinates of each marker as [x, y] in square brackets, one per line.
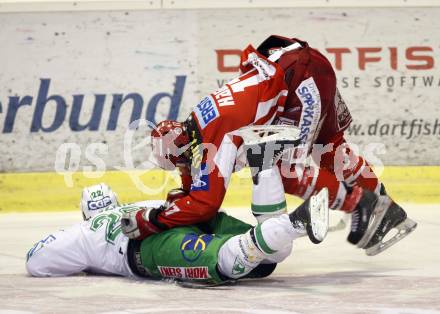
[26, 192]
[82, 77]
[78, 79]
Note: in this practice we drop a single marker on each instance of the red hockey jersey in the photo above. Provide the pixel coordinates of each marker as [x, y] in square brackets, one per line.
[256, 97]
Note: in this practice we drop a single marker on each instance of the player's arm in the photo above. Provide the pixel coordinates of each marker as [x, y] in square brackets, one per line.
[205, 196]
[253, 104]
[199, 205]
[253, 98]
[185, 176]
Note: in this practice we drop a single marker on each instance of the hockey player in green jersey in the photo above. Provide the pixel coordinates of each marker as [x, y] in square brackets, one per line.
[222, 249]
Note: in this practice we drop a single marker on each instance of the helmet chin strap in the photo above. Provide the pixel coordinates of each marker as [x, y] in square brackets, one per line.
[277, 54]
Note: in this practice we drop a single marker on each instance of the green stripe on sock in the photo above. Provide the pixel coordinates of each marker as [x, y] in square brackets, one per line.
[267, 209]
[260, 241]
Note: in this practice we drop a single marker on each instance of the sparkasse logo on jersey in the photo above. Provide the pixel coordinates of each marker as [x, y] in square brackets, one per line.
[308, 93]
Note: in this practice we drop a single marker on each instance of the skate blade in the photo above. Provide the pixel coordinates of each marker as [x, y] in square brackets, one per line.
[404, 229]
[383, 203]
[201, 285]
[319, 215]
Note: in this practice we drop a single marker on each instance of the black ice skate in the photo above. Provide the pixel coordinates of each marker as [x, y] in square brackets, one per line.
[395, 217]
[363, 218]
[311, 217]
[373, 218]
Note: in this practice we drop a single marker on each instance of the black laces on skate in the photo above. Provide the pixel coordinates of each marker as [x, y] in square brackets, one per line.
[355, 218]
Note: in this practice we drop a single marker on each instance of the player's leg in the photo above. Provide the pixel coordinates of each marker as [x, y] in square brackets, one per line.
[225, 224]
[385, 215]
[268, 199]
[307, 181]
[59, 254]
[187, 253]
[347, 166]
[333, 171]
[242, 253]
[368, 215]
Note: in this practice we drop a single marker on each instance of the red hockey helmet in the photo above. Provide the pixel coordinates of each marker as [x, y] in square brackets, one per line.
[169, 142]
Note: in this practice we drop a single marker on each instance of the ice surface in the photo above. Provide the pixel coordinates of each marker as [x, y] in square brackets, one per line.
[332, 277]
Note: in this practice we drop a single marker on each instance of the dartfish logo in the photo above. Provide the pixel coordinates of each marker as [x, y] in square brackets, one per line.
[393, 58]
[51, 111]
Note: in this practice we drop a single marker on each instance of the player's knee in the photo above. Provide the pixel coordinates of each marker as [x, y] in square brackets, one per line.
[238, 256]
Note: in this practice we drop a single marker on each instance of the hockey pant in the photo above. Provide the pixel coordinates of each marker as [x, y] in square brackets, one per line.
[339, 168]
[216, 253]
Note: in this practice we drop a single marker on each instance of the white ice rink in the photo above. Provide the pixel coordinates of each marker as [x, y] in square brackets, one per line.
[329, 278]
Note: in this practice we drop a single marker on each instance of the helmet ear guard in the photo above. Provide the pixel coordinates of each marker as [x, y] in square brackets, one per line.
[169, 142]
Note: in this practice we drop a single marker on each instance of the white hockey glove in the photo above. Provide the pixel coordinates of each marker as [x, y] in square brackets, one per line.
[140, 224]
[96, 199]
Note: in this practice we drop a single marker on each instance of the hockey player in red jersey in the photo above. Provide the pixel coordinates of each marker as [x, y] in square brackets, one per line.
[284, 81]
[315, 105]
[204, 148]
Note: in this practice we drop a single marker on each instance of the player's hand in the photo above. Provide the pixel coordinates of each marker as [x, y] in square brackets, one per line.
[137, 225]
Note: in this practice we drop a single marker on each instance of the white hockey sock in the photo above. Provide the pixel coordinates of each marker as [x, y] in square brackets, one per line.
[276, 235]
[268, 198]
